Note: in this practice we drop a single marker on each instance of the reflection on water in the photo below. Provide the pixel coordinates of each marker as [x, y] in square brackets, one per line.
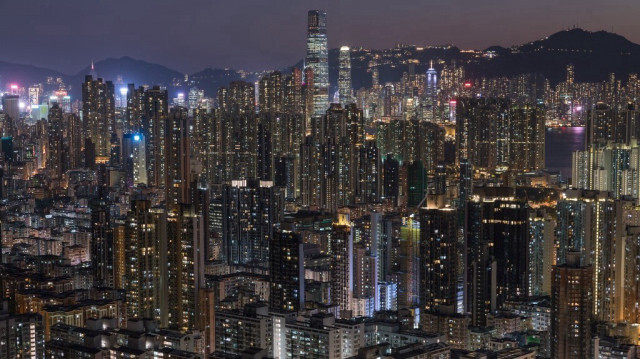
[560, 142]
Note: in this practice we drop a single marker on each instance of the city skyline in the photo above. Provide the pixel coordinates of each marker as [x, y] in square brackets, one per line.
[265, 35]
[406, 203]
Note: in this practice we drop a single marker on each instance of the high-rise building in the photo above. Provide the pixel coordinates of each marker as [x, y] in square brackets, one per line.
[185, 266]
[286, 269]
[542, 253]
[234, 137]
[153, 125]
[318, 60]
[56, 154]
[477, 124]
[102, 246]
[134, 159]
[145, 261]
[11, 107]
[98, 112]
[177, 158]
[438, 258]
[526, 138]
[250, 209]
[390, 172]
[431, 90]
[342, 261]
[21, 335]
[271, 95]
[571, 303]
[345, 88]
[497, 239]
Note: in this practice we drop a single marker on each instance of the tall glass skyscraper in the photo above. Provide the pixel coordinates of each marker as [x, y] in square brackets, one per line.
[432, 85]
[318, 59]
[344, 77]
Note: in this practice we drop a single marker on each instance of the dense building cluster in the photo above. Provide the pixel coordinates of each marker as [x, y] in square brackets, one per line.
[410, 219]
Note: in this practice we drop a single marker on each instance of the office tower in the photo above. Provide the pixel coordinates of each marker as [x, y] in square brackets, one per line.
[431, 89]
[177, 158]
[477, 124]
[497, 238]
[21, 335]
[134, 159]
[185, 266]
[438, 259]
[526, 138]
[102, 247]
[98, 113]
[250, 209]
[570, 74]
[34, 95]
[318, 60]
[571, 303]
[153, 127]
[11, 107]
[57, 153]
[194, 98]
[286, 269]
[145, 248]
[341, 243]
[345, 88]
[542, 253]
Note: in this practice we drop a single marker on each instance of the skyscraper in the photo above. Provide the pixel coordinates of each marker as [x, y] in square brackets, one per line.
[342, 261]
[318, 60]
[497, 240]
[57, 153]
[438, 258]
[286, 269]
[98, 111]
[155, 112]
[345, 88]
[571, 303]
[178, 158]
[145, 236]
[250, 209]
[431, 91]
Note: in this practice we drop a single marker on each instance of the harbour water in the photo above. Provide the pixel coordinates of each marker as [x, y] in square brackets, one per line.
[560, 142]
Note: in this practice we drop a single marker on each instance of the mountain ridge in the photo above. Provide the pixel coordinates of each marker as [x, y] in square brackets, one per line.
[595, 54]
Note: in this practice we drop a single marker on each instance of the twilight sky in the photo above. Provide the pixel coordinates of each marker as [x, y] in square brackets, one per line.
[189, 35]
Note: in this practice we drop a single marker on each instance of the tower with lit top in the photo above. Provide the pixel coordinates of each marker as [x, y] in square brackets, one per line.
[318, 59]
